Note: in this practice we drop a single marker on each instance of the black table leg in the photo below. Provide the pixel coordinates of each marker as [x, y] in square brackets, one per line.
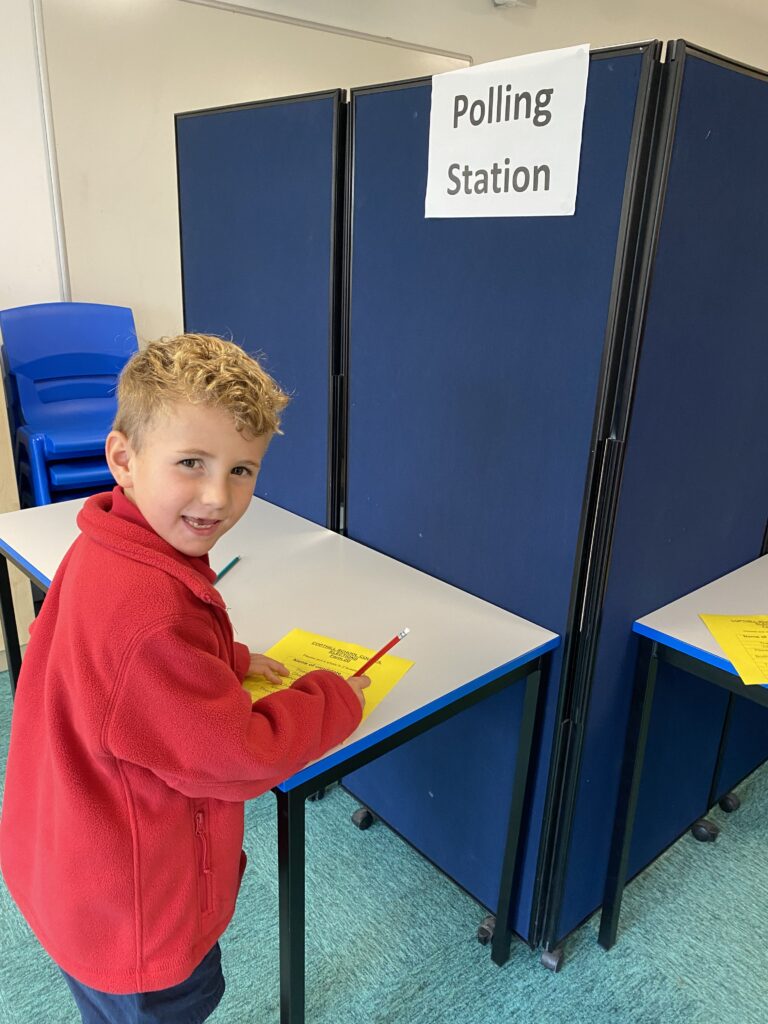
[290, 855]
[502, 932]
[713, 789]
[629, 786]
[8, 622]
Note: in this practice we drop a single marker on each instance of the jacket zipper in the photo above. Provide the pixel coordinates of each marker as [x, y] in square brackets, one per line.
[205, 865]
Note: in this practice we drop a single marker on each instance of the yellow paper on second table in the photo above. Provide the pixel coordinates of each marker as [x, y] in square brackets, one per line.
[301, 652]
[744, 638]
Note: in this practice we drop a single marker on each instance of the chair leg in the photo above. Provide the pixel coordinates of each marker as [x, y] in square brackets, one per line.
[34, 446]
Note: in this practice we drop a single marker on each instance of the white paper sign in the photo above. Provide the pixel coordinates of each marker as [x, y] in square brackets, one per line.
[505, 137]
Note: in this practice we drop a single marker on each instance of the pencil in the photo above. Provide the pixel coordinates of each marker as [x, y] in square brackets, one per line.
[227, 567]
[383, 651]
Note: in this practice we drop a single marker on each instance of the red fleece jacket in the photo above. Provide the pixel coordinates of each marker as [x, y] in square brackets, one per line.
[133, 747]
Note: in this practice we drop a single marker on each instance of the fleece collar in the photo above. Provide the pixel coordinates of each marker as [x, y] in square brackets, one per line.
[130, 538]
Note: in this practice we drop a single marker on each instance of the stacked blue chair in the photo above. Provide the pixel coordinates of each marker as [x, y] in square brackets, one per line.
[61, 361]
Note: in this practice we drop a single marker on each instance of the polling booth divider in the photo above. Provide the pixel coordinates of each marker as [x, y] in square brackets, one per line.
[694, 492]
[556, 414]
[260, 200]
[484, 360]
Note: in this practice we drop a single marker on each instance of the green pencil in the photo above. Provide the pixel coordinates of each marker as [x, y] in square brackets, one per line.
[227, 567]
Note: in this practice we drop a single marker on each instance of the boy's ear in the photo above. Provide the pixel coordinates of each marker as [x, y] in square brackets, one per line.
[119, 454]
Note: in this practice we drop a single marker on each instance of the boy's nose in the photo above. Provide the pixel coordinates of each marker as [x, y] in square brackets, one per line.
[215, 494]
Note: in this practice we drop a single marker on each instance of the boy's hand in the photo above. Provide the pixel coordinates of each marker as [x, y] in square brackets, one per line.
[261, 665]
[358, 684]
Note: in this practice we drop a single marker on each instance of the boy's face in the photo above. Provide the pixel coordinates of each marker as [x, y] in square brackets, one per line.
[192, 478]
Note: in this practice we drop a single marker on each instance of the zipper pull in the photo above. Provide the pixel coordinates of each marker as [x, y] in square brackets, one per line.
[200, 832]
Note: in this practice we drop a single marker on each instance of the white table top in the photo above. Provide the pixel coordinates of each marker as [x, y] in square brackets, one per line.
[293, 573]
[741, 592]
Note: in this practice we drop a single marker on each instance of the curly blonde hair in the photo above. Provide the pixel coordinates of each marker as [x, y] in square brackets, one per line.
[203, 370]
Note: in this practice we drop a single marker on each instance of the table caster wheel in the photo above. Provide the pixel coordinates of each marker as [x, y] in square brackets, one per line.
[486, 929]
[730, 802]
[705, 831]
[363, 818]
[552, 959]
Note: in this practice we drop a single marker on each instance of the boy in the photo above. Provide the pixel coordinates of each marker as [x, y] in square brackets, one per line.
[133, 744]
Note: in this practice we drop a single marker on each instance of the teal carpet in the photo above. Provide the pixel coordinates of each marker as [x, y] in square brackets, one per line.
[391, 940]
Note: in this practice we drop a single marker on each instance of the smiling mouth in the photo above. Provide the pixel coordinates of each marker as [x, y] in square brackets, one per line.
[201, 525]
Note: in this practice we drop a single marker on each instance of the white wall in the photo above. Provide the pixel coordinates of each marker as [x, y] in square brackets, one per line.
[118, 73]
[736, 28]
[28, 251]
[28, 263]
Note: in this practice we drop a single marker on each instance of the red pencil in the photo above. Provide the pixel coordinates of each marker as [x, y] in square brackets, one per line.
[383, 651]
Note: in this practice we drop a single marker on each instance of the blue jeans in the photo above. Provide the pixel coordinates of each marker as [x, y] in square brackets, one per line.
[190, 1002]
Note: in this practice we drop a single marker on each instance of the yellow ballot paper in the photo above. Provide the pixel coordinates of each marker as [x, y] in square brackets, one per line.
[744, 638]
[301, 652]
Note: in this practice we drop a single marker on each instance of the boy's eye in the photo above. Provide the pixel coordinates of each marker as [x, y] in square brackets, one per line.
[189, 463]
[242, 471]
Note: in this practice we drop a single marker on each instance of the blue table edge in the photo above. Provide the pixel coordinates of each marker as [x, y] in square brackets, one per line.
[684, 648]
[30, 570]
[345, 753]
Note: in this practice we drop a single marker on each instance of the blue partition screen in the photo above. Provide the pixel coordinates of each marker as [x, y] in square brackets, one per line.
[475, 359]
[257, 214]
[694, 496]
